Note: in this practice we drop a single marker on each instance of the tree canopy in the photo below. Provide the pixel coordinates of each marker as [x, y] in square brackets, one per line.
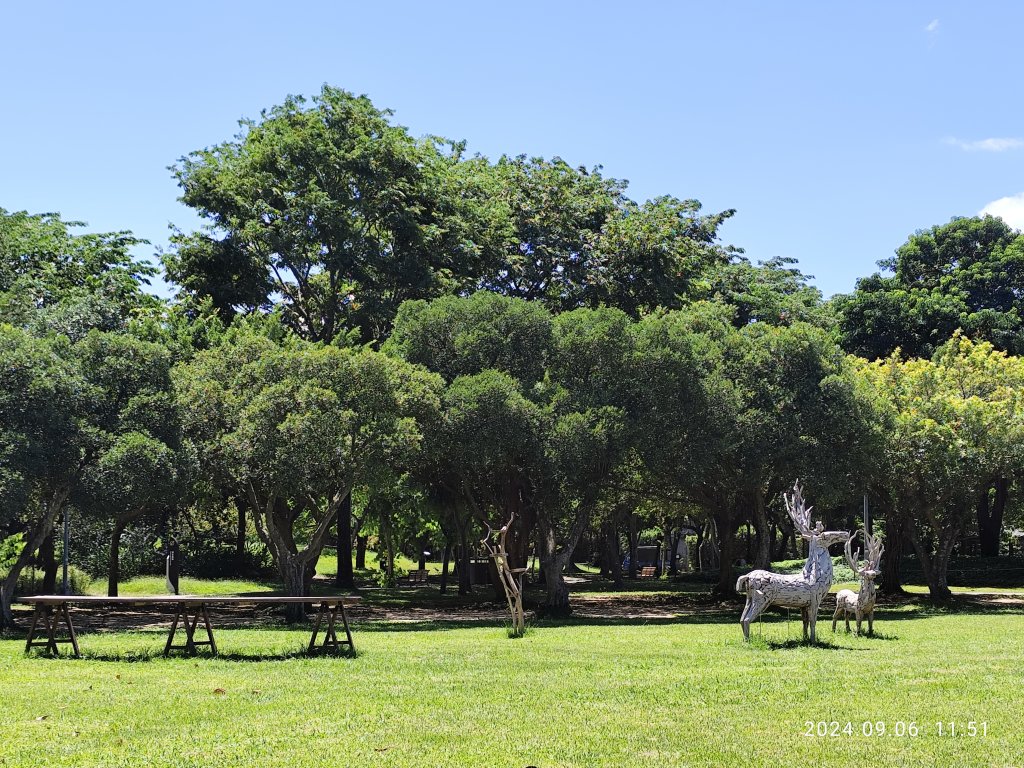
[387, 341]
[966, 275]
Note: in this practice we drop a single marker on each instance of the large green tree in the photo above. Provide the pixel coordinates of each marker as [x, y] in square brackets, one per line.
[965, 275]
[39, 431]
[956, 423]
[72, 411]
[569, 237]
[294, 427]
[54, 279]
[469, 341]
[329, 209]
[730, 415]
[532, 421]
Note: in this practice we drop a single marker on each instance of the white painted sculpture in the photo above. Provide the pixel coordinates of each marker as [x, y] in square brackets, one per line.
[804, 590]
[862, 602]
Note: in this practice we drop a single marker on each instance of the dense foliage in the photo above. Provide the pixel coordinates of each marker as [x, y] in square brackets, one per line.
[381, 336]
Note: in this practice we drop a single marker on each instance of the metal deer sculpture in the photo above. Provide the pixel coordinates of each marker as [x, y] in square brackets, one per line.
[862, 602]
[804, 590]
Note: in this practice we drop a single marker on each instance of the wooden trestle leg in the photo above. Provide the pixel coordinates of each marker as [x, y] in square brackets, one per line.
[330, 642]
[51, 616]
[189, 622]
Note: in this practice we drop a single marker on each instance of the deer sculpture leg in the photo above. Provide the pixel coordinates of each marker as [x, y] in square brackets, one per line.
[755, 605]
[804, 620]
[871, 621]
[813, 616]
[835, 616]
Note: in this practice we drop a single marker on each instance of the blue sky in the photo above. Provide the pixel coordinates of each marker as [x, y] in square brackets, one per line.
[835, 130]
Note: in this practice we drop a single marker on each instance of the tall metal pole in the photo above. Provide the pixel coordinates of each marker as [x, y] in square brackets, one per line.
[867, 516]
[66, 587]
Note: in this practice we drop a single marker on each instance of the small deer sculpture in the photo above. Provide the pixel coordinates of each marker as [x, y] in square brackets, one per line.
[804, 590]
[862, 602]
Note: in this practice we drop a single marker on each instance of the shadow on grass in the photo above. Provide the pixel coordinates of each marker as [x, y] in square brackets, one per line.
[153, 654]
[788, 645]
[686, 597]
[876, 635]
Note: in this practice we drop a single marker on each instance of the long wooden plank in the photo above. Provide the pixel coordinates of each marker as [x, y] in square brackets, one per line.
[182, 599]
[44, 608]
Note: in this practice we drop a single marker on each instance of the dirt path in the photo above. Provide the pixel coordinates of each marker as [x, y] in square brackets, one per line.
[639, 607]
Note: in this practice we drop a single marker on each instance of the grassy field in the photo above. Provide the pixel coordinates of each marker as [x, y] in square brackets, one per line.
[327, 565]
[156, 585]
[678, 693]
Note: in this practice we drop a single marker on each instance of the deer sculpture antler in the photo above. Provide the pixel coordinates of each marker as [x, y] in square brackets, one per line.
[875, 548]
[799, 514]
[873, 558]
[853, 558]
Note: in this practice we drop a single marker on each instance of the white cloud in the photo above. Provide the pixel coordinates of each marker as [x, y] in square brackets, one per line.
[986, 145]
[933, 26]
[1009, 209]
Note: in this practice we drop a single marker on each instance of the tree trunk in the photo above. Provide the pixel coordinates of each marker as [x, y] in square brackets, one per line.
[387, 542]
[762, 554]
[114, 563]
[935, 566]
[308, 574]
[606, 553]
[698, 546]
[465, 577]
[48, 562]
[553, 561]
[726, 525]
[517, 543]
[361, 552]
[671, 556]
[554, 557]
[496, 580]
[42, 529]
[240, 505]
[444, 565]
[556, 597]
[779, 546]
[991, 507]
[613, 554]
[274, 519]
[293, 574]
[634, 544]
[345, 578]
[895, 541]
[938, 585]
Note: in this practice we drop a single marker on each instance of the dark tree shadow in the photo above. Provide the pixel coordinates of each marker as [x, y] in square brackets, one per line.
[824, 645]
[152, 654]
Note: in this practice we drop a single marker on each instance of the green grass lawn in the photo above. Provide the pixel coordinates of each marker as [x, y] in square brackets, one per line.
[156, 585]
[327, 565]
[685, 692]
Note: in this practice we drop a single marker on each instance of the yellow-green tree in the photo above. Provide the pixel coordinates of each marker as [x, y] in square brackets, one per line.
[955, 423]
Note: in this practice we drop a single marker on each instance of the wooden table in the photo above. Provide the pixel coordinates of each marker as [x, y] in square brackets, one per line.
[52, 610]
